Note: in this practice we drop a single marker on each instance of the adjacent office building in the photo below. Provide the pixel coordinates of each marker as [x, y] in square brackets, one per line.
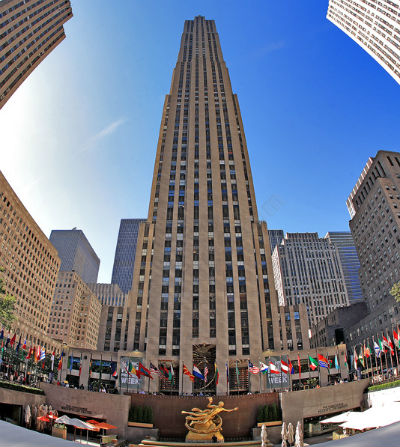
[109, 294]
[30, 264]
[29, 31]
[76, 254]
[343, 241]
[203, 288]
[374, 25]
[75, 312]
[308, 270]
[275, 238]
[125, 253]
[374, 207]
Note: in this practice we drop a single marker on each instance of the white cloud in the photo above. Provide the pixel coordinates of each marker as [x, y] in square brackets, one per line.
[108, 130]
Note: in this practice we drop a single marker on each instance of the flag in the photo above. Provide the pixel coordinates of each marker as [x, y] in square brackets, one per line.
[216, 374]
[2, 334]
[291, 367]
[263, 368]
[8, 340]
[30, 352]
[381, 346]
[377, 349]
[142, 370]
[313, 363]
[12, 341]
[188, 373]
[355, 357]
[361, 357]
[395, 339]
[227, 373]
[237, 375]
[391, 345]
[253, 369]
[284, 367]
[164, 372]
[132, 369]
[24, 345]
[367, 352]
[114, 369]
[171, 373]
[18, 345]
[385, 342]
[52, 360]
[322, 361]
[153, 369]
[205, 373]
[42, 353]
[273, 369]
[60, 362]
[37, 354]
[197, 373]
[299, 365]
[337, 363]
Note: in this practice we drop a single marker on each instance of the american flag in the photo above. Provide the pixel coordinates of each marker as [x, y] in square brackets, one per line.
[253, 369]
[205, 373]
[153, 369]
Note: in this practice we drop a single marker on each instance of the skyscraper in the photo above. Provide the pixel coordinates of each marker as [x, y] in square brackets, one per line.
[29, 31]
[374, 25]
[76, 254]
[308, 270]
[344, 243]
[203, 289]
[275, 238]
[125, 253]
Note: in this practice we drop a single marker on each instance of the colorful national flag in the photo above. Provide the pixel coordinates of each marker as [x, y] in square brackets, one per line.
[391, 345]
[30, 352]
[263, 368]
[171, 373]
[284, 367]
[18, 345]
[273, 369]
[381, 346]
[361, 357]
[291, 367]
[132, 369]
[396, 339]
[237, 375]
[337, 363]
[42, 353]
[385, 342]
[114, 372]
[12, 341]
[153, 369]
[188, 373]
[216, 374]
[377, 349]
[253, 369]
[322, 361]
[197, 373]
[367, 352]
[143, 371]
[24, 345]
[355, 358]
[313, 363]
[37, 354]
[8, 340]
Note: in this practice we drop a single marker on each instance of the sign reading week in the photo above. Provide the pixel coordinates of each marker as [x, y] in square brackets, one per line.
[127, 377]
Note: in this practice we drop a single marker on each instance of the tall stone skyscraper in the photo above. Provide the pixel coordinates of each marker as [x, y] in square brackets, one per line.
[29, 31]
[203, 282]
[125, 253]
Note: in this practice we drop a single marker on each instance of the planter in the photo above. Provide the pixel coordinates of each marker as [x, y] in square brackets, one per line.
[140, 424]
[59, 432]
[269, 424]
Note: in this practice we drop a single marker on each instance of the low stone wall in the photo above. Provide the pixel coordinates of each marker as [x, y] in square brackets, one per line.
[171, 423]
[299, 405]
[8, 396]
[113, 408]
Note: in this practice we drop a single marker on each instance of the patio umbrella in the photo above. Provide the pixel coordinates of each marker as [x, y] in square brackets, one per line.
[105, 426]
[290, 433]
[43, 419]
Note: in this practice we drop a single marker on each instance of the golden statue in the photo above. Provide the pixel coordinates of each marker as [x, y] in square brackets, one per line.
[204, 425]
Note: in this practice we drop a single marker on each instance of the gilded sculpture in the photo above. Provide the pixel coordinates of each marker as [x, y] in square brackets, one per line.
[205, 425]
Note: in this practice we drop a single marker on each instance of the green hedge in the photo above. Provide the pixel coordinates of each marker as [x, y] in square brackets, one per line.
[384, 386]
[269, 413]
[141, 414]
[18, 387]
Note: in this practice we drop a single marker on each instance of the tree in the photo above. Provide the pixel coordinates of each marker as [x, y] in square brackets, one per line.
[7, 304]
[395, 291]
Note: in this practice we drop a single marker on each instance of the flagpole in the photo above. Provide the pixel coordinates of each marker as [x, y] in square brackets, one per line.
[380, 359]
[391, 359]
[319, 369]
[386, 362]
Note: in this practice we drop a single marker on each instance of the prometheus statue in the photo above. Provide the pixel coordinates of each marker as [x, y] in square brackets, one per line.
[205, 425]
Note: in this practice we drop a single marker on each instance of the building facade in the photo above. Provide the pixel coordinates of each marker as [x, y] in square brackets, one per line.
[75, 312]
[76, 254]
[275, 238]
[203, 286]
[125, 252]
[343, 240]
[30, 264]
[374, 25]
[374, 207]
[29, 31]
[307, 270]
[109, 294]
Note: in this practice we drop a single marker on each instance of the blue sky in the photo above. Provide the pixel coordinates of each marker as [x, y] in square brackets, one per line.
[79, 137]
